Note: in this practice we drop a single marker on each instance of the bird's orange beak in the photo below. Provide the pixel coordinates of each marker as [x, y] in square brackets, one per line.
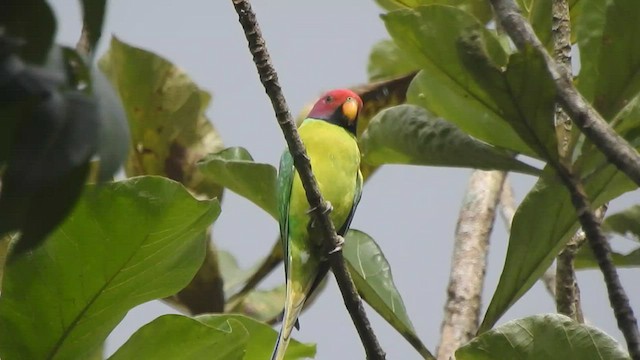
[350, 109]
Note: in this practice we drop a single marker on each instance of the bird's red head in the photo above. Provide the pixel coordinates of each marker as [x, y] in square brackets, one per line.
[340, 107]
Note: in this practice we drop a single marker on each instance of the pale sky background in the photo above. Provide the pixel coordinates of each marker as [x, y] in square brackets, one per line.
[410, 211]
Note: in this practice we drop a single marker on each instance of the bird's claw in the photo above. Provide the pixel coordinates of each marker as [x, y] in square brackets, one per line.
[326, 211]
[338, 245]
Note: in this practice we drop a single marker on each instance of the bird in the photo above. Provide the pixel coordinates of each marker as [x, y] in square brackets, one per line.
[329, 136]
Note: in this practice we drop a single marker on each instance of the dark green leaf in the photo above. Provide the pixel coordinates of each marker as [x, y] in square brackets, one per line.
[372, 276]
[34, 23]
[169, 130]
[585, 260]
[234, 169]
[387, 60]
[126, 243]
[549, 337]
[429, 35]
[536, 240]
[408, 134]
[609, 53]
[180, 337]
[262, 338]
[625, 223]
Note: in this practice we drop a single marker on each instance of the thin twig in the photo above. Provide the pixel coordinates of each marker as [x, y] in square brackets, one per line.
[602, 252]
[567, 291]
[269, 80]
[468, 267]
[613, 146]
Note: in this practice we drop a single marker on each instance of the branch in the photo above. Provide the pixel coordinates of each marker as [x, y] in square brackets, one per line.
[320, 208]
[615, 148]
[602, 251]
[567, 291]
[468, 266]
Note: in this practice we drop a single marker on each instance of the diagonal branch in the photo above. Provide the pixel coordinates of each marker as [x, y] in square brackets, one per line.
[269, 80]
[468, 266]
[613, 146]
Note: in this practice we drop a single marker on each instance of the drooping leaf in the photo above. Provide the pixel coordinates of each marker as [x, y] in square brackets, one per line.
[261, 338]
[180, 337]
[126, 243]
[371, 274]
[549, 337]
[169, 130]
[408, 134]
[387, 60]
[429, 35]
[234, 169]
[32, 21]
[535, 241]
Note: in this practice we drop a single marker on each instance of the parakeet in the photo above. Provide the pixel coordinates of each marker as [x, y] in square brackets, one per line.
[329, 135]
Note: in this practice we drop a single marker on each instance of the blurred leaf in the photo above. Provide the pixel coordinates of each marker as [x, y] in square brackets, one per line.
[234, 169]
[180, 337]
[371, 274]
[536, 240]
[233, 275]
[262, 338]
[264, 305]
[549, 337]
[114, 138]
[429, 35]
[169, 130]
[625, 223]
[126, 243]
[585, 259]
[32, 21]
[408, 134]
[479, 9]
[92, 18]
[538, 12]
[609, 53]
[387, 60]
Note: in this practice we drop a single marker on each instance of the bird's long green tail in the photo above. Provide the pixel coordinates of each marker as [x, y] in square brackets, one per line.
[293, 304]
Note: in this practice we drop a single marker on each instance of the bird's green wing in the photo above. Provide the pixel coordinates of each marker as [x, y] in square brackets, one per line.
[285, 181]
[356, 200]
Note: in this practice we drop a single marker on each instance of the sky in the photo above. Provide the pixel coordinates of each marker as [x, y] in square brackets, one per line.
[410, 211]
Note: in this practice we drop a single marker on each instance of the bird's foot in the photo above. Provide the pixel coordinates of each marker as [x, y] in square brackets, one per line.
[338, 245]
[326, 211]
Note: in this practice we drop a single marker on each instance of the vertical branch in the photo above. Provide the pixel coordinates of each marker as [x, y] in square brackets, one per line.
[475, 222]
[567, 292]
[320, 208]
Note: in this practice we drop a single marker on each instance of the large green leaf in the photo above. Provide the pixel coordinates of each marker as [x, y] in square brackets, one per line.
[371, 274]
[538, 12]
[387, 60]
[169, 131]
[479, 9]
[408, 134]
[126, 243]
[262, 338]
[180, 337]
[536, 240]
[430, 35]
[549, 337]
[609, 53]
[234, 169]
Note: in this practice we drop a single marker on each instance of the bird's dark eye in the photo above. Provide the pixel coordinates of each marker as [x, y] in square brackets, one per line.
[328, 99]
[349, 98]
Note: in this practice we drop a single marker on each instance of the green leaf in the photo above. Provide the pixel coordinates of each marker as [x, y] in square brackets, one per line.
[535, 241]
[408, 134]
[265, 305]
[180, 337]
[586, 260]
[479, 9]
[125, 243]
[231, 272]
[234, 169]
[549, 337]
[169, 131]
[387, 60]
[538, 12]
[262, 338]
[609, 53]
[625, 223]
[371, 274]
[429, 35]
